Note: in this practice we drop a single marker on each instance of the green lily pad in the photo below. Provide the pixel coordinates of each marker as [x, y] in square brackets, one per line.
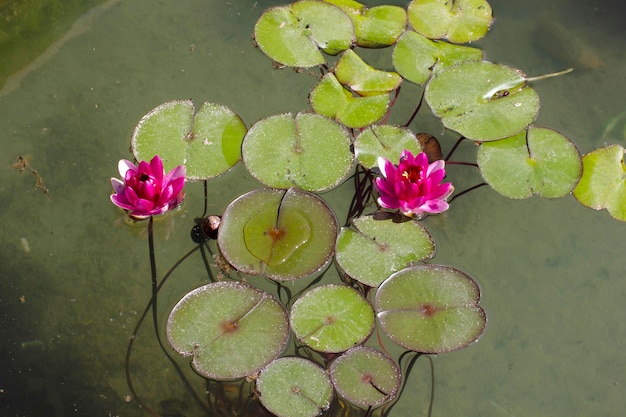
[539, 161]
[231, 330]
[416, 57]
[332, 318]
[376, 27]
[365, 376]
[308, 151]
[208, 144]
[386, 141]
[603, 183]
[293, 34]
[371, 250]
[430, 309]
[482, 101]
[459, 21]
[283, 235]
[331, 99]
[362, 78]
[294, 387]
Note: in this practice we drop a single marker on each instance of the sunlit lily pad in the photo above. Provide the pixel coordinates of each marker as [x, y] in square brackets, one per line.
[539, 161]
[375, 27]
[371, 250]
[482, 101]
[283, 235]
[362, 78]
[416, 57]
[294, 387]
[365, 376]
[230, 329]
[332, 318]
[331, 99]
[430, 309]
[603, 183]
[292, 35]
[459, 21]
[308, 151]
[386, 141]
[208, 144]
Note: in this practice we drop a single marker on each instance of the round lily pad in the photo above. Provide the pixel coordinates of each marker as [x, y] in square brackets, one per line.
[231, 330]
[538, 161]
[208, 144]
[330, 98]
[293, 34]
[371, 250]
[482, 101]
[362, 78]
[386, 141]
[459, 21]
[308, 151]
[430, 309]
[294, 387]
[365, 376]
[416, 57]
[332, 318]
[283, 235]
[603, 183]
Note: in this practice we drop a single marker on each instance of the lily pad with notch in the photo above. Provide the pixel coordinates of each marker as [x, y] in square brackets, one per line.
[294, 387]
[482, 101]
[332, 318]
[430, 309]
[231, 330]
[538, 161]
[331, 99]
[365, 376]
[385, 141]
[416, 57]
[603, 183]
[307, 151]
[375, 27]
[459, 21]
[362, 78]
[293, 35]
[283, 235]
[207, 143]
[372, 249]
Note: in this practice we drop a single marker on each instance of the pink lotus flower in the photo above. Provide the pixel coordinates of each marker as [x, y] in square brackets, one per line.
[145, 190]
[414, 186]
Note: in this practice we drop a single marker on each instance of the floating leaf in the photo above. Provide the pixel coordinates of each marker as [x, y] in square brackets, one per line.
[208, 144]
[459, 21]
[416, 57]
[385, 141]
[430, 309]
[283, 235]
[294, 387]
[375, 27]
[362, 78]
[291, 35]
[371, 250]
[603, 183]
[365, 376]
[230, 329]
[482, 101]
[308, 151]
[331, 99]
[539, 161]
[332, 318]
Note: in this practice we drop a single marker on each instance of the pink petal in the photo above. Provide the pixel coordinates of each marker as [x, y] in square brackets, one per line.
[125, 165]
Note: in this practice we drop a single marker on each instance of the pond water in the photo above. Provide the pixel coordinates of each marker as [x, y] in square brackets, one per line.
[74, 277]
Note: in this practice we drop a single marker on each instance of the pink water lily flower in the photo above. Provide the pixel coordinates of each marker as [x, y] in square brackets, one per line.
[414, 186]
[146, 190]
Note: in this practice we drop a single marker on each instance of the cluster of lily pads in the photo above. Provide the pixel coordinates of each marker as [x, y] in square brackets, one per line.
[285, 231]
